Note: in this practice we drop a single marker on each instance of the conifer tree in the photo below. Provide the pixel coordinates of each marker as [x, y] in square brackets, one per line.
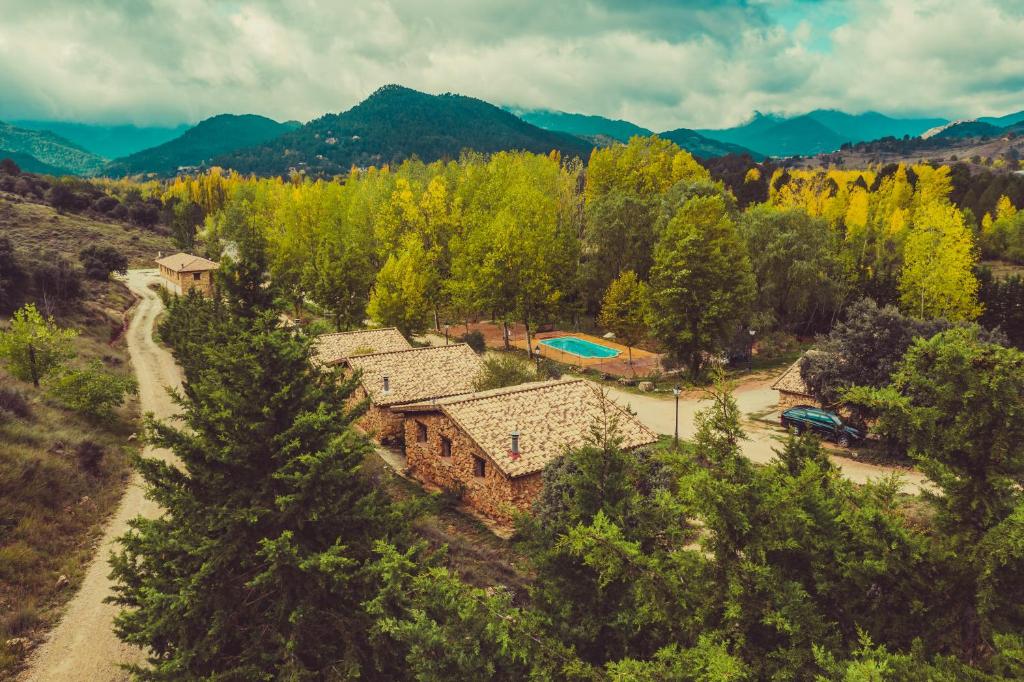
[257, 567]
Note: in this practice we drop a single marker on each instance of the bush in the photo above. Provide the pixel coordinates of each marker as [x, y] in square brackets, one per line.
[100, 261]
[475, 340]
[91, 391]
[14, 401]
[57, 279]
[89, 455]
[504, 369]
[776, 344]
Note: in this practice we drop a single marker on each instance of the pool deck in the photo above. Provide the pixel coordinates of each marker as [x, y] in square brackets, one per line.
[644, 362]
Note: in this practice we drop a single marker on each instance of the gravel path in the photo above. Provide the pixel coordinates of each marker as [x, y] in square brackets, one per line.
[658, 413]
[83, 645]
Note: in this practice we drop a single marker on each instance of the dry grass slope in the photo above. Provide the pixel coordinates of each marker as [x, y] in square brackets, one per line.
[36, 227]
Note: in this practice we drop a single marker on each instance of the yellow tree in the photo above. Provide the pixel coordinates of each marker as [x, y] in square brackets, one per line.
[937, 278]
[400, 296]
[624, 310]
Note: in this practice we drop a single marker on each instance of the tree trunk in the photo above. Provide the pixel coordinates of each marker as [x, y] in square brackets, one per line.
[695, 365]
[529, 346]
[32, 365]
[504, 334]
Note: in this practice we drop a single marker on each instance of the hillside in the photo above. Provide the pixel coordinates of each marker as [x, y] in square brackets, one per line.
[30, 164]
[817, 132]
[872, 125]
[969, 129]
[705, 147]
[210, 138]
[779, 136]
[1003, 121]
[48, 148]
[581, 125]
[108, 141]
[396, 123]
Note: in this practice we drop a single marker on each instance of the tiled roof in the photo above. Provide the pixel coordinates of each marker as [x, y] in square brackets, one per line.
[186, 262]
[330, 349]
[791, 381]
[550, 416]
[418, 373]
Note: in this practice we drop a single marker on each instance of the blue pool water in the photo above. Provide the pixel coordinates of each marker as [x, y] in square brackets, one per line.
[580, 347]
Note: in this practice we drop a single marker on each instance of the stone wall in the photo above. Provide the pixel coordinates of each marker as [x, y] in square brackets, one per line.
[183, 282]
[380, 422]
[788, 400]
[494, 494]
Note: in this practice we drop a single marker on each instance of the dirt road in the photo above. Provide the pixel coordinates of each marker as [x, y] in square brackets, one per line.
[658, 413]
[83, 645]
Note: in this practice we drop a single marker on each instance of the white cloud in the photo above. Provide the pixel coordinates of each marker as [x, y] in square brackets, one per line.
[661, 63]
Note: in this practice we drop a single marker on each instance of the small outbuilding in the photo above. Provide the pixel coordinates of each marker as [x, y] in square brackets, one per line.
[792, 388]
[183, 272]
[491, 447]
[412, 375]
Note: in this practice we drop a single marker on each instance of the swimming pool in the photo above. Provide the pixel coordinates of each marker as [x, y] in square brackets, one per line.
[580, 347]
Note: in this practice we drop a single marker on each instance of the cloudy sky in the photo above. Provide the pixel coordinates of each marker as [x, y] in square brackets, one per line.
[660, 63]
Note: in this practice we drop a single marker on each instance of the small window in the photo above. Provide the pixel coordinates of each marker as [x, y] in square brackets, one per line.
[421, 432]
[197, 276]
[446, 447]
[479, 466]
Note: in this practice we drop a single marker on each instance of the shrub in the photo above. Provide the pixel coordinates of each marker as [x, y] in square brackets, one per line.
[475, 340]
[504, 369]
[100, 261]
[57, 279]
[14, 401]
[33, 346]
[91, 391]
[89, 455]
[777, 343]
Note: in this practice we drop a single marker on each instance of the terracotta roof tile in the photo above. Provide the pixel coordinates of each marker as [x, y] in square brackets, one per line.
[550, 416]
[186, 262]
[418, 373]
[330, 349]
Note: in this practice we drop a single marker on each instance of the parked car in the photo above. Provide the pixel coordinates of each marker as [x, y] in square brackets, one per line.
[826, 424]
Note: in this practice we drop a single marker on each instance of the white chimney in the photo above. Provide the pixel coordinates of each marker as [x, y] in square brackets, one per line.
[515, 444]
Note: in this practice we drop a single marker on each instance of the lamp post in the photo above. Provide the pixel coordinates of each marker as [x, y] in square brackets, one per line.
[536, 351]
[676, 391]
[750, 355]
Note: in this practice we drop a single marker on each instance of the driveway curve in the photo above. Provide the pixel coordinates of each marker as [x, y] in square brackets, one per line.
[83, 647]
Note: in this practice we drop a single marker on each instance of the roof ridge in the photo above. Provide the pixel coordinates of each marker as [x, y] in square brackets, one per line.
[356, 331]
[407, 350]
[518, 388]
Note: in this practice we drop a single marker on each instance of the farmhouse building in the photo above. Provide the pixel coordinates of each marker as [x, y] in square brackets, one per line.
[183, 272]
[337, 348]
[491, 447]
[407, 376]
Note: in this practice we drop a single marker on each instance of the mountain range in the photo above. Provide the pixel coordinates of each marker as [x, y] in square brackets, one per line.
[108, 141]
[208, 139]
[395, 123]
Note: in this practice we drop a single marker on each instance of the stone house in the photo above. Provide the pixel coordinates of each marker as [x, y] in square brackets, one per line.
[396, 378]
[491, 447]
[337, 348]
[183, 272]
[792, 389]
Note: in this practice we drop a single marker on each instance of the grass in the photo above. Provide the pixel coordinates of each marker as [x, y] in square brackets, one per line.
[53, 506]
[30, 226]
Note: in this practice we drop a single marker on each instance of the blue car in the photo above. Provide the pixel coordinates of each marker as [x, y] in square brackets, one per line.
[825, 424]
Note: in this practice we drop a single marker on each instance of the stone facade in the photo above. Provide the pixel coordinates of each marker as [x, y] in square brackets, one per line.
[380, 422]
[183, 282]
[788, 399]
[440, 453]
